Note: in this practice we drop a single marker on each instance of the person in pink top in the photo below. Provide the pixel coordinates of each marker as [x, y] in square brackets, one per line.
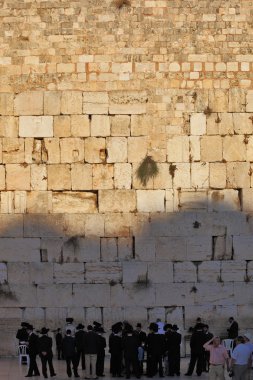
[218, 358]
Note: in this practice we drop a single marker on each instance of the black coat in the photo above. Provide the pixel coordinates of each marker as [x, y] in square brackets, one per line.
[33, 344]
[91, 343]
[115, 344]
[22, 335]
[197, 341]
[80, 339]
[45, 344]
[155, 344]
[101, 344]
[233, 330]
[142, 336]
[58, 339]
[130, 344]
[68, 346]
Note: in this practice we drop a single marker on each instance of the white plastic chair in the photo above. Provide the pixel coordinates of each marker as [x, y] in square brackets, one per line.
[23, 353]
[229, 345]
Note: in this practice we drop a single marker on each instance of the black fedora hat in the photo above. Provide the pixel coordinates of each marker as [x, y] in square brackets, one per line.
[80, 326]
[153, 326]
[44, 330]
[69, 320]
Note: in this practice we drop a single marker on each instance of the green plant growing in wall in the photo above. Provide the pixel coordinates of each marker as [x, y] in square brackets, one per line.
[147, 169]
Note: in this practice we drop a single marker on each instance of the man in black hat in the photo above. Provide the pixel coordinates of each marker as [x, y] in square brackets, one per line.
[58, 341]
[197, 351]
[101, 351]
[22, 336]
[130, 344]
[70, 326]
[91, 350]
[69, 352]
[79, 341]
[33, 351]
[115, 349]
[45, 344]
[155, 351]
[142, 337]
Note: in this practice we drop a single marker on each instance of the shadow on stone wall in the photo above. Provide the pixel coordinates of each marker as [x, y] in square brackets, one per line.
[176, 266]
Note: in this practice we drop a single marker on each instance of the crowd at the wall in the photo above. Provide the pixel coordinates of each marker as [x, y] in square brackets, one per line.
[130, 346]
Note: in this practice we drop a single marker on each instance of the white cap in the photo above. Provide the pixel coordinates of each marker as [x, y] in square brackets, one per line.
[247, 335]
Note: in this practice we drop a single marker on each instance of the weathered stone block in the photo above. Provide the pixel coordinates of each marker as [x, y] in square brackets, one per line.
[182, 176]
[36, 126]
[122, 176]
[47, 294]
[19, 273]
[29, 103]
[170, 249]
[163, 179]
[243, 123]
[220, 124]
[211, 148]
[238, 175]
[141, 125]
[51, 149]
[150, 200]
[80, 125]
[209, 271]
[13, 150]
[100, 126]
[72, 150]
[185, 272]
[217, 175]
[137, 148]
[200, 175]
[94, 225]
[178, 149]
[218, 100]
[177, 294]
[103, 273]
[102, 177]
[44, 226]
[91, 295]
[28, 250]
[117, 149]
[62, 126]
[81, 176]
[224, 200]
[95, 150]
[199, 248]
[38, 177]
[242, 246]
[120, 125]
[59, 177]
[145, 249]
[6, 103]
[8, 126]
[198, 124]
[160, 273]
[123, 296]
[52, 102]
[237, 99]
[3, 273]
[125, 249]
[194, 148]
[70, 273]
[18, 177]
[117, 201]
[71, 102]
[135, 272]
[192, 200]
[109, 250]
[233, 271]
[95, 103]
[131, 102]
[118, 225]
[234, 148]
[39, 202]
[20, 202]
[74, 202]
[249, 101]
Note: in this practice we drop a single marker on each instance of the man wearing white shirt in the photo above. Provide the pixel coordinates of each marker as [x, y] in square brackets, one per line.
[240, 359]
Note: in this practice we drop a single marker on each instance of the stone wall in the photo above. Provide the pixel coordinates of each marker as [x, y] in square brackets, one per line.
[88, 89]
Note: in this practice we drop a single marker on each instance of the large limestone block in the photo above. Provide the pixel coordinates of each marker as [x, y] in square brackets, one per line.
[68, 273]
[211, 148]
[117, 201]
[182, 176]
[249, 148]
[117, 149]
[74, 202]
[127, 102]
[39, 177]
[3, 273]
[199, 248]
[233, 271]
[59, 177]
[185, 272]
[243, 292]
[102, 273]
[142, 293]
[249, 101]
[29, 103]
[238, 175]
[52, 103]
[198, 124]
[170, 249]
[14, 223]
[20, 201]
[220, 124]
[8, 126]
[141, 125]
[137, 148]
[242, 246]
[19, 273]
[95, 103]
[81, 176]
[209, 271]
[218, 175]
[100, 126]
[28, 250]
[160, 273]
[125, 248]
[18, 177]
[224, 200]
[62, 126]
[163, 179]
[48, 294]
[122, 175]
[71, 102]
[243, 123]
[135, 272]
[145, 248]
[177, 294]
[200, 175]
[44, 226]
[102, 176]
[237, 99]
[178, 149]
[218, 294]
[109, 249]
[91, 295]
[72, 150]
[118, 225]
[247, 200]
[150, 200]
[94, 225]
[39, 202]
[13, 150]
[18, 296]
[34, 150]
[36, 126]
[41, 273]
[194, 148]
[52, 150]
[234, 148]
[218, 100]
[80, 125]
[193, 200]
[6, 103]
[120, 125]
[77, 249]
[95, 151]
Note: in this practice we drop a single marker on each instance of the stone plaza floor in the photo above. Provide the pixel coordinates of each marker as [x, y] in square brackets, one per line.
[11, 370]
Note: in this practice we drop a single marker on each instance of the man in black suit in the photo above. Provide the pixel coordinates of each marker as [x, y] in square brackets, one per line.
[233, 329]
[115, 349]
[142, 337]
[130, 344]
[58, 341]
[69, 353]
[155, 345]
[79, 341]
[99, 330]
[45, 344]
[33, 351]
[197, 350]
[91, 350]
